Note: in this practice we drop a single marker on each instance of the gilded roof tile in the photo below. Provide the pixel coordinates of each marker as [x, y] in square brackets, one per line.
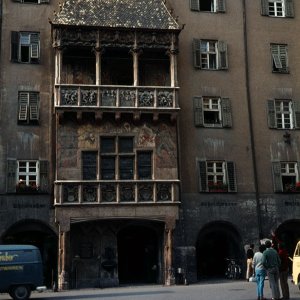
[141, 14]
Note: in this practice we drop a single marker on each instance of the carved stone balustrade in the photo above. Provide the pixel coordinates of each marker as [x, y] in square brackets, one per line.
[116, 192]
[116, 98]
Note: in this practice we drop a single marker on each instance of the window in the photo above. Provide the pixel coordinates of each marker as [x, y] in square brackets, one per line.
[210, 55]
[33, 1]
[89, 165]
[208, 5]
[278, 8]
[25, 47]
[212, 112]
[283, 114]
[286, 176]
[118, 160]
[217, 176]
[25, 176]
[279, 58]
[28, 108]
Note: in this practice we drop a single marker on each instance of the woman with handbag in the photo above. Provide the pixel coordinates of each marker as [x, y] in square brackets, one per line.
[260, 272]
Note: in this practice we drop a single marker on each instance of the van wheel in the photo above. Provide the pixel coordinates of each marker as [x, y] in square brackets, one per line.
[20, 292]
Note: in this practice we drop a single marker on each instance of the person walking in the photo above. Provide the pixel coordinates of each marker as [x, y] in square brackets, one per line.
[249, 254]
[260, 272]
[284, 271]
[271, 262]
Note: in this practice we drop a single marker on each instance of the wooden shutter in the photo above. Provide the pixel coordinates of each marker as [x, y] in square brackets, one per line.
[34, 45]
[194, 5]
[283, 57]
[265, 7]
[23, 106]
[231, 177]
[296, 111]
[221, 6]
[15, 38]
[223, 61]
[203, 176]
[34, 106]
[198, 111]
[276, 168]
[289, 8]
[197, 53]
[44, 176]
[275, 51]
[11, 179]
[272, 122]
[226, 112]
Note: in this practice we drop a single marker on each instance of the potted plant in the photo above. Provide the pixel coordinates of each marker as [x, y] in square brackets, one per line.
[23, 188]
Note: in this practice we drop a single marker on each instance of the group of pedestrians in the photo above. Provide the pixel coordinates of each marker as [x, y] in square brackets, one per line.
[272, 262]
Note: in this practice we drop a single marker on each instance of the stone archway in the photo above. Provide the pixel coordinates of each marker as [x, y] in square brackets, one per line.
[138, 255]
[33, 232]
[289, 233]
[216, 242]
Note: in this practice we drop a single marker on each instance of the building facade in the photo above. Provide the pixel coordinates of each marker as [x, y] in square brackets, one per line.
[136, 145]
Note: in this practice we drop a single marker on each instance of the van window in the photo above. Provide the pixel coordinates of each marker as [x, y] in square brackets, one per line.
[297, 250]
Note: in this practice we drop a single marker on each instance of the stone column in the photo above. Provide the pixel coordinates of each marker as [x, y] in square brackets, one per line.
[58, 64]
[168, 253]
[98, 53]
[135, 51]
[63, 258]
[173, 62]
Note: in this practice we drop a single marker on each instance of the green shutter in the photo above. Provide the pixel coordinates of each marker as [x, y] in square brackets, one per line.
[198, 111]
[283, 58]
[15, 38]
[34, 106]
[203, 176]
[226, 112]
[296, 110]
[44, 176]
[276, 168]
[271, 114]
[194, 5]
[289, 8]
[265, 7]
[231, 177]
[223, 61]
[11, 179]
[197, 53]
[221, 6]
[23, 106]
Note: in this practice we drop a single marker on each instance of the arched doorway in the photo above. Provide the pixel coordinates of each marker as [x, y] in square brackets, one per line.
[32, 232]
[216, 242]
[289, 233]
[138, 255]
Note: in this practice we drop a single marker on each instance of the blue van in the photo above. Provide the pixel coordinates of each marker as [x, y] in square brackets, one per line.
[21, 270]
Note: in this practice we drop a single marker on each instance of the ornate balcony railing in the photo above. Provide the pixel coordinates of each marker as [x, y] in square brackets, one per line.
[111, 96]
[116, 192]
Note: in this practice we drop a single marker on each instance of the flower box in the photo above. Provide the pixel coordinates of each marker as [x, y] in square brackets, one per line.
[22, 188]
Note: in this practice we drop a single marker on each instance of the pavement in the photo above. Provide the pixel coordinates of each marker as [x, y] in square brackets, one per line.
[206, 290]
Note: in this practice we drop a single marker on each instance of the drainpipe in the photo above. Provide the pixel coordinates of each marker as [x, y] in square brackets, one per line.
[252, 141]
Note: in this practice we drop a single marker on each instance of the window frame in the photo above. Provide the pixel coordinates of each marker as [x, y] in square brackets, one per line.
[33, 2]
[287, 8]
[220, 52]
[28, 173]
[125, 161]
[225, 112]
[228, 175]
[294, 107]
[29, 40]
[219, 6]
[285, 180]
